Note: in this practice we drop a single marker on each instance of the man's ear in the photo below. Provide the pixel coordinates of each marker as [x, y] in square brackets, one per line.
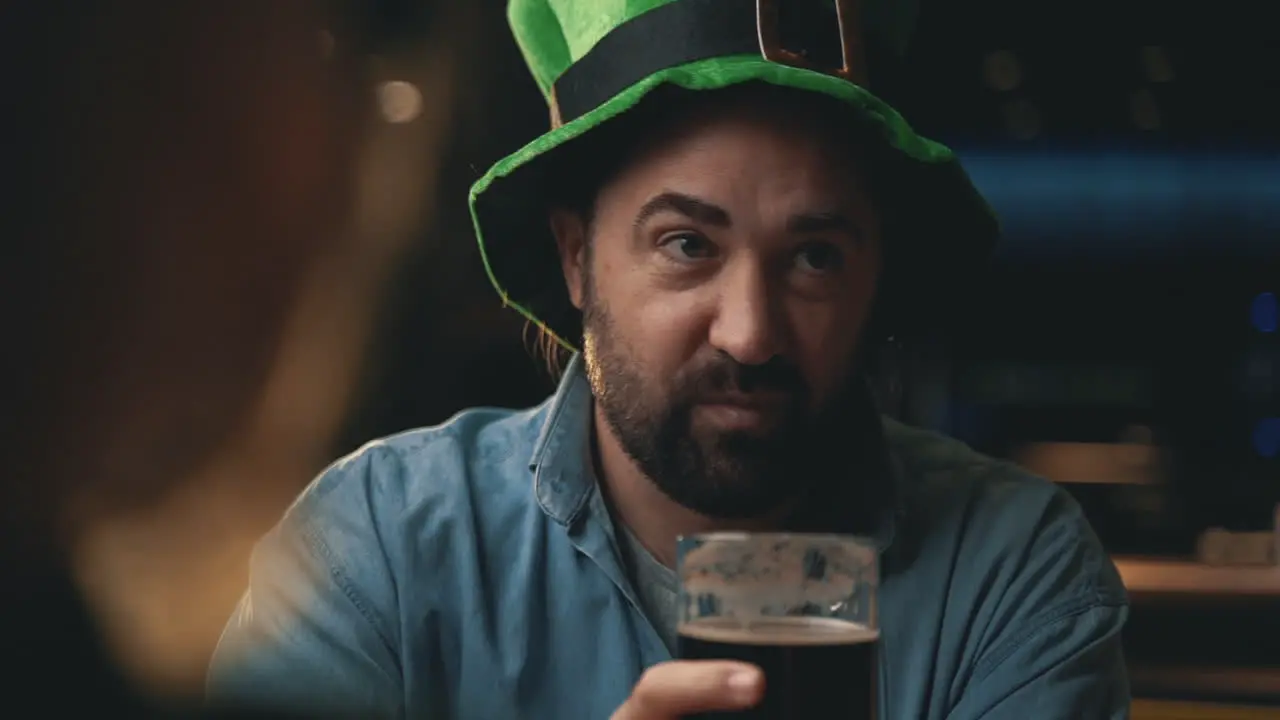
[571, 243]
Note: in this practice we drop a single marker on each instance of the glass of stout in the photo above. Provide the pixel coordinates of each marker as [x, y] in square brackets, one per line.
[801, 607]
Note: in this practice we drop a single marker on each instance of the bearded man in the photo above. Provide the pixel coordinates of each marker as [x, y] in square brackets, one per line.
[726, 227]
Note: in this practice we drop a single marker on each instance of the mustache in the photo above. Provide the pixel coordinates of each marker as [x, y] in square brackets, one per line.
[723, 375]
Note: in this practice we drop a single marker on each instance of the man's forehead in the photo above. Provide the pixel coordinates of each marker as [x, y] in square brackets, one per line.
[719, 161]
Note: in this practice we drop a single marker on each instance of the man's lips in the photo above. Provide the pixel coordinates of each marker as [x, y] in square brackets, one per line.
[744, 411]
[758, 401]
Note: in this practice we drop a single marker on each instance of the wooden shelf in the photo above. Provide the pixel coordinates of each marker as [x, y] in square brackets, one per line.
[1236, 686]
[1168, 710]
[1146, 575]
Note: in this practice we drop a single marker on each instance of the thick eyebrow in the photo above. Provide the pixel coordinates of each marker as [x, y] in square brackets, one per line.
[707, 213]
[813, 223]
[699, 211]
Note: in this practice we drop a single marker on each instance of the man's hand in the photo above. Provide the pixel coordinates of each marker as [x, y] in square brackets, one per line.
[671, 690]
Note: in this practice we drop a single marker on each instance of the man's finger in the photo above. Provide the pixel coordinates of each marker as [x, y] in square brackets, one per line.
[673, 689]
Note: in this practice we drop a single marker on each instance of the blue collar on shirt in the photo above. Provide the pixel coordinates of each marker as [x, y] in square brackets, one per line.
[563, 482]
[560, 479]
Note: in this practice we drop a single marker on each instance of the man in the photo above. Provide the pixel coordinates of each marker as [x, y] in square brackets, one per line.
[733, 234]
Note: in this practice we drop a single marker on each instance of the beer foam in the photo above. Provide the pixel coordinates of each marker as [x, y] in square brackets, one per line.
[779, 631]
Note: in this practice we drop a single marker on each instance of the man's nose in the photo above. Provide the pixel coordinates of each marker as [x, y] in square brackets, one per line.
[747, 325]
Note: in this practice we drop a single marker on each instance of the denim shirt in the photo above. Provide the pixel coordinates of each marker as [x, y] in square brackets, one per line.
[462, 571]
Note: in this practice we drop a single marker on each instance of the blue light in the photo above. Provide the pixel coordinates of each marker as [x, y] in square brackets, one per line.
[1265, 313]
[1108, 202]
[1266, 437]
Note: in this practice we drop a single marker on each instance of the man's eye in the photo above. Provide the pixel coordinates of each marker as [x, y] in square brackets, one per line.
[819, 257]
[688, 247]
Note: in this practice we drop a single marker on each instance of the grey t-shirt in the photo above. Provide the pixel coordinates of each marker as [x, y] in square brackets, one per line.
[656, 585]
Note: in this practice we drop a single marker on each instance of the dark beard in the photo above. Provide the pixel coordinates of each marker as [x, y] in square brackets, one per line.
[724, 475]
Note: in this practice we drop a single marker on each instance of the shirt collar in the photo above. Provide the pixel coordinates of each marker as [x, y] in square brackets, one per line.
[561, 456]
[563, 480]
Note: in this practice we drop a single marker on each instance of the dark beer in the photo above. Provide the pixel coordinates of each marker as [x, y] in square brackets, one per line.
[815, 668]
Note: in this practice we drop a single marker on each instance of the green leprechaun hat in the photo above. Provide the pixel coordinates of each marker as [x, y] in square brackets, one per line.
[597, 59]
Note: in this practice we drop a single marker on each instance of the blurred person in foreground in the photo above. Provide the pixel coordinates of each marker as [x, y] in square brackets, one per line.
[727, 236]
[174, 172]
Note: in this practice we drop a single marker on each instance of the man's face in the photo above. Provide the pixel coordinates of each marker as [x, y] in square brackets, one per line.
[724, 280]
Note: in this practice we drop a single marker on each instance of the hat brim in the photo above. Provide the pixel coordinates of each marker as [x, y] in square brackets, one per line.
[935, 224]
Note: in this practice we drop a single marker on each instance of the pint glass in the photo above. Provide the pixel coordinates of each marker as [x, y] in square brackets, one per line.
[801, 607]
